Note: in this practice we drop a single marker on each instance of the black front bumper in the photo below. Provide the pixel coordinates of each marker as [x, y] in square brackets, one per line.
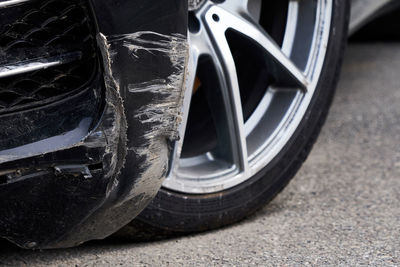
[83, 166]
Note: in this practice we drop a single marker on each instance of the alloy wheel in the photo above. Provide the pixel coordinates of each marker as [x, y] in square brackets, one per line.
[255, 87]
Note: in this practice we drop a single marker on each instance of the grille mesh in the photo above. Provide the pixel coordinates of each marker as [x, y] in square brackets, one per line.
[42, 86]
[47, 27]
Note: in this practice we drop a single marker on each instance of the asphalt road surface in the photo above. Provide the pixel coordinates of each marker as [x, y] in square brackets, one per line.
[341, 209]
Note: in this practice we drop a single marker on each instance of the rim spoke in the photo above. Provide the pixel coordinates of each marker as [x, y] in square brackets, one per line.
[225, 103]
[285, 72]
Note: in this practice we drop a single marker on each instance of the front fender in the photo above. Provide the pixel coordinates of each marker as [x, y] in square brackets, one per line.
[363, 11]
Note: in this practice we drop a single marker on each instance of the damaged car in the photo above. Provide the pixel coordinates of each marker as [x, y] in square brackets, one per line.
[157, 117]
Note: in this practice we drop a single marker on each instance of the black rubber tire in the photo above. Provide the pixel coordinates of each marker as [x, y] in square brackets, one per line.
[171, 213]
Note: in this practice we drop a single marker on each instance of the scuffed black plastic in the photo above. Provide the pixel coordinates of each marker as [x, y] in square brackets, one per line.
[84, 168]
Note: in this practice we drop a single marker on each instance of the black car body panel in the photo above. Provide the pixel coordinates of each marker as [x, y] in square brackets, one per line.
[81, 166]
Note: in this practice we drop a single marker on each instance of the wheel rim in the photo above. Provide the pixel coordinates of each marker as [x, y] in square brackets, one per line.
[245, 145]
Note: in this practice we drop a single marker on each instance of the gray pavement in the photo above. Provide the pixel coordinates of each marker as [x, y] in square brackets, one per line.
[341, 209]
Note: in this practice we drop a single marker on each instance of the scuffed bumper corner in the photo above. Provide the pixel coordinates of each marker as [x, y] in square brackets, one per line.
[91, 188]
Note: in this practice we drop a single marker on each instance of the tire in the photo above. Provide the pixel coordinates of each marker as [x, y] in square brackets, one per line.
[179, 210]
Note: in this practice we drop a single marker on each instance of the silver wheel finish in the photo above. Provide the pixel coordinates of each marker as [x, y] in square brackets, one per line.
[246, 147]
